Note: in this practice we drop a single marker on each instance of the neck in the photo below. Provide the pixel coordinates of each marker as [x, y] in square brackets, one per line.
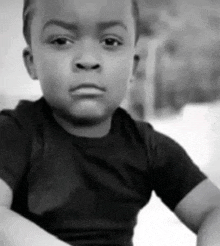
[90, 131]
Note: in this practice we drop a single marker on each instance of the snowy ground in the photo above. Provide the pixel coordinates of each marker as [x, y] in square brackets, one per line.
[197, 129]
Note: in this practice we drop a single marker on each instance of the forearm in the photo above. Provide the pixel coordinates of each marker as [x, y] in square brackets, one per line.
[16, 230]
[209, 232]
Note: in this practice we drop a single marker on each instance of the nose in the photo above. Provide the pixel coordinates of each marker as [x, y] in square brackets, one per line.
[87, 59]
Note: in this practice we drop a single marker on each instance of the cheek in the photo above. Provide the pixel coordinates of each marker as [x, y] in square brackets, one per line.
[52, 72]
[120, 72]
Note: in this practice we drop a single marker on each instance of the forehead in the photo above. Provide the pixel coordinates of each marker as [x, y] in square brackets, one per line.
[89, 11]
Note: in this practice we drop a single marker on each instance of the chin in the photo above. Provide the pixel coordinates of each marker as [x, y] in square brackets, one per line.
[86, 121]
[84, 117]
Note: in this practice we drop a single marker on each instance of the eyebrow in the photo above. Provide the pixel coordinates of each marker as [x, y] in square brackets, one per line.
[65, 25]
[74, 27]
[109, 24]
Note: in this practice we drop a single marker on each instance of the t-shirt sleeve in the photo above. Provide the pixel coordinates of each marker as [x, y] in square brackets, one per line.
[174, 173]
[14, 144]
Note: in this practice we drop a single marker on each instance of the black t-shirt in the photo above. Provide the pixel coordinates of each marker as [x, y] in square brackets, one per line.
[89, 191]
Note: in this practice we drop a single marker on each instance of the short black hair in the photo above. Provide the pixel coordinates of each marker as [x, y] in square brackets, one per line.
[28, 13]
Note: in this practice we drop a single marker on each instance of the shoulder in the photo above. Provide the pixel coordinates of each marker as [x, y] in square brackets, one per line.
[164, 151]
[160, 143]
[16, 140]
[152, 138]
[25, 113]
[157, 142]
[20, 126]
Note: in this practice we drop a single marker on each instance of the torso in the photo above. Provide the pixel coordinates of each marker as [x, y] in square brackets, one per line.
[88, 190]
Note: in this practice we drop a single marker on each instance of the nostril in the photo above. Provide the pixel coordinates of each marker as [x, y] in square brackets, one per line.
[96, 66]
[80, 66]
[87, 66]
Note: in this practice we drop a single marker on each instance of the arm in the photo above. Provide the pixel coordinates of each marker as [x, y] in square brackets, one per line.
[15, 230]
[200, 211]
[209, 232]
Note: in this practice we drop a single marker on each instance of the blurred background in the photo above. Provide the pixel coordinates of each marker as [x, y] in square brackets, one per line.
[182, 43]
[176, 88]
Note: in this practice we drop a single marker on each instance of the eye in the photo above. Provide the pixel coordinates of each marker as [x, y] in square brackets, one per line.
[61, 41]
[111, 42]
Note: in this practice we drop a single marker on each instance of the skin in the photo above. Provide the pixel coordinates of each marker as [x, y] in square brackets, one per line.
[84, 53]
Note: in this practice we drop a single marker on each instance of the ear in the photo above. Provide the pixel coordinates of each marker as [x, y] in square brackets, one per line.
[29, 63]
[136, 62]
[135, 66]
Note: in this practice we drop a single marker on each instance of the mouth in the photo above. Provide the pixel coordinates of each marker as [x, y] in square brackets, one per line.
[88, 89]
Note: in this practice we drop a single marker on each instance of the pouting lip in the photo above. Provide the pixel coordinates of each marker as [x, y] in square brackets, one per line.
[88, 85]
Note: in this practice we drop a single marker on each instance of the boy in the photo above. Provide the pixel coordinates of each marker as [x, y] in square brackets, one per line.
[75, 168]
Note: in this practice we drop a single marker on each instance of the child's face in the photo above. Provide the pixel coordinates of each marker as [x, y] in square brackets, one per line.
[82, 52]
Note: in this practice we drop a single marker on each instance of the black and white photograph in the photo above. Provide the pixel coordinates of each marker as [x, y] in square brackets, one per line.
[109, 122]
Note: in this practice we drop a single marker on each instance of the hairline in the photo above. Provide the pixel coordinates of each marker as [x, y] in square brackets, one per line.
[29, 11]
